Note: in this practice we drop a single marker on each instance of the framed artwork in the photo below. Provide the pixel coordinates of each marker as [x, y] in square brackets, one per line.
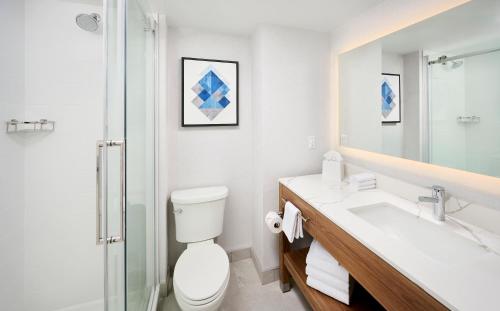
[209, 92]
[391, 98]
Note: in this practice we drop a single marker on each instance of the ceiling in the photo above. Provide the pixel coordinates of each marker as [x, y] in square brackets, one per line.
[244, 16]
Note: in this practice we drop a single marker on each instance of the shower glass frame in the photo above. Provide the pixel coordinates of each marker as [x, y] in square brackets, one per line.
[141, 40]
[131, 280]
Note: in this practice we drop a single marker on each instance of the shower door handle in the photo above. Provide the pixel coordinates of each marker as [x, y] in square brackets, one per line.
[102, 200]
[99, 191]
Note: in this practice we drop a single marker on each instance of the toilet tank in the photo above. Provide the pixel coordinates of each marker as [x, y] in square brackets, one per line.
[199, 213]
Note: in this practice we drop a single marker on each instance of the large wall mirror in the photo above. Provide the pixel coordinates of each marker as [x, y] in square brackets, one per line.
[429, 92]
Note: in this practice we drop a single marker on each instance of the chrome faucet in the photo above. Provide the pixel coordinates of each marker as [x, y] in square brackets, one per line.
[438, 199]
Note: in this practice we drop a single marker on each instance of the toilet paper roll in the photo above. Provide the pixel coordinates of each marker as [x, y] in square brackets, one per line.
[273, 222]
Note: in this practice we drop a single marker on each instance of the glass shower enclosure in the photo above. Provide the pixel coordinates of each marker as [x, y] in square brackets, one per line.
[77, 156]
[464, 110]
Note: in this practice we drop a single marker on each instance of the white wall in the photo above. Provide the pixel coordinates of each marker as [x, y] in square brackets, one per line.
[212, 155]
[360, 114]
[284, 92]
[11, 155]
[64, 82]
[411, 110]
[392, 133]
[258, 54]
[360, 118]
[291, 96]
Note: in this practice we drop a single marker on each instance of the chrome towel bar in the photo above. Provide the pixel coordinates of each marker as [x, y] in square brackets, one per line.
[304, 219]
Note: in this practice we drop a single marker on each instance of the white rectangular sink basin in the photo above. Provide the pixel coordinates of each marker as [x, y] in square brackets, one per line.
[437, 241]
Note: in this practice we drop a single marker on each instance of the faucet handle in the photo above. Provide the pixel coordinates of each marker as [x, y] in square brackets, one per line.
[437, 188]
[438, 191]
[439, 200]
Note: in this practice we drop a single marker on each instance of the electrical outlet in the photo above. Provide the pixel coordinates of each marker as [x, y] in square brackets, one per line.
[311, 142]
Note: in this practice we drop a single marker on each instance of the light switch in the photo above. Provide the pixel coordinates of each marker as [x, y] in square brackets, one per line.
[311, 142]
[344, 139]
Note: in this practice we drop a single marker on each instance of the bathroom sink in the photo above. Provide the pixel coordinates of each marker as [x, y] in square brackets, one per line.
[435, 240]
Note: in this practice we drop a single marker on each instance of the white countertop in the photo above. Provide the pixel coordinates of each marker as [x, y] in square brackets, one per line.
[471, 285]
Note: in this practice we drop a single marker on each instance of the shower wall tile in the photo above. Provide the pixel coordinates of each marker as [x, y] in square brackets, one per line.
[11, 156]
[64, 83]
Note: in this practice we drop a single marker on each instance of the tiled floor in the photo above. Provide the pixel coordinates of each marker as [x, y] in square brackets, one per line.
[245, 293]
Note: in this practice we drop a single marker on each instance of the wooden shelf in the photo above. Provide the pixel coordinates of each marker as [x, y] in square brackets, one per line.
[295, 262]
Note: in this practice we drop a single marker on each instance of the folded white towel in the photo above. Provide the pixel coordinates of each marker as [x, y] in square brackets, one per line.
[328, 290]
[367, 183]
[361, 188]
[292, 222]
[316, 250]
[328, 279]
[335, 270]
[321, 259]
[359, 183]
[354, 187]
[362, 177]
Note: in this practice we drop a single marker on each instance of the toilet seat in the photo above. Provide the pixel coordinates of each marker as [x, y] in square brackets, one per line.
[201, 274]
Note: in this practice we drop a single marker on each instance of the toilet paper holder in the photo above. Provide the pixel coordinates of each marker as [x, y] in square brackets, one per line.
[304, 219]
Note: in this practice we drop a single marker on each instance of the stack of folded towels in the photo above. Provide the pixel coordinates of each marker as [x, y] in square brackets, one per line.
[363, 181]
[326, 275]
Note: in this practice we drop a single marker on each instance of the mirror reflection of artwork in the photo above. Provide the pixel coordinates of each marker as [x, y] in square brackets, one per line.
[439, 101]
[391, 100]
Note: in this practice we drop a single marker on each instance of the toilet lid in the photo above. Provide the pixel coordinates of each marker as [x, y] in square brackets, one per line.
[199, 195]
[201, 271]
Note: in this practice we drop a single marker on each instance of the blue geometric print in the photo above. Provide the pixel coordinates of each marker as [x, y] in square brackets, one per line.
[211, 82]
[211, 94]
[204, 95]
[387, 99]
[224, 102]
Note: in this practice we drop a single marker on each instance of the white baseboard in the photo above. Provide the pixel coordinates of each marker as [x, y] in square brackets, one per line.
[239, 254]
[267, 276]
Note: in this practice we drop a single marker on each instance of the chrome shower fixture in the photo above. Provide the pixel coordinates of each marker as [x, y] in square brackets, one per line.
[454, 63]
[88, 22]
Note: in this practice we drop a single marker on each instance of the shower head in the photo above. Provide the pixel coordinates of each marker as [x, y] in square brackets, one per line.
[88, 22]
[457, 63]
[454, 64]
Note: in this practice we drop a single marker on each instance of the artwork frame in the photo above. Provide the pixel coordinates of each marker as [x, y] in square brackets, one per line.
[204, 104]
[391, 98]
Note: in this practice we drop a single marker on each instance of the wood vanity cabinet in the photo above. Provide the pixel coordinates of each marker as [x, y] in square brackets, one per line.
[380, 286]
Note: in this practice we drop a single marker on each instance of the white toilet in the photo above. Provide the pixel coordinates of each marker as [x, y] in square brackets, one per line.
[201, 274]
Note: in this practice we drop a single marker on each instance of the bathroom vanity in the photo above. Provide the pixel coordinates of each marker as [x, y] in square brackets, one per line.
[401, 258]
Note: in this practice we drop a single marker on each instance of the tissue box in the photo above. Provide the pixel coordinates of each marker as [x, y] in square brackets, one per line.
[332, 173]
